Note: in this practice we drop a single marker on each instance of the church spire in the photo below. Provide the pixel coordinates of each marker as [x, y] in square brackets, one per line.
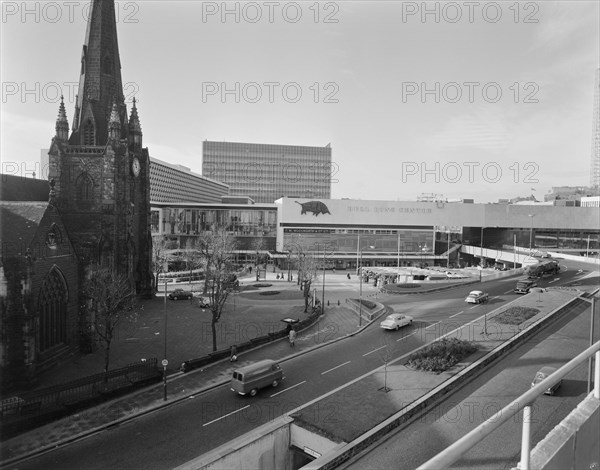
[135, 130]
[62, 125]
[100, 79]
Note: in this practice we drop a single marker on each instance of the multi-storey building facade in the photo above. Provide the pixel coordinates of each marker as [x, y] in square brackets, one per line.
[176, 183]
[268, 172]
[595, 157]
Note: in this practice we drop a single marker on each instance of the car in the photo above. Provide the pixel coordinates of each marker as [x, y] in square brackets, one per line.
[452, 275]
[395, 321]
[204, 302]
[543, 374]
[178, 294]
[477, 297]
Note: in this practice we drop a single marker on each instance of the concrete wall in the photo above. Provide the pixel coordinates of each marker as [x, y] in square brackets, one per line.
[574, 443]
[266, 447]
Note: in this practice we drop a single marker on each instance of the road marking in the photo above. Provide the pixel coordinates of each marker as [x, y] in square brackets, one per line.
[462, 311]
[494, 297]
[404, 337]
[371, 352]
[336, 367]
[286, 389]
[509, 291]
[432, 325]
[474, 306]
[228, 414]
[550, 282]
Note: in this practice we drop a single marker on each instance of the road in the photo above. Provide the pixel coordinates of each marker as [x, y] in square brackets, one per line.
[481, 398]
[174, 435]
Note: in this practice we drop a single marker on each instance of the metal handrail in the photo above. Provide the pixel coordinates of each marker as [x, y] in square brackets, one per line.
[457, 450]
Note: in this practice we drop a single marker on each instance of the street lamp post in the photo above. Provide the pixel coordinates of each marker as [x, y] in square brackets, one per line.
[360, 291]
[398, 264]
[448, 251]
[481, 254]
[531, 216]
[165, 362]
[323, 295]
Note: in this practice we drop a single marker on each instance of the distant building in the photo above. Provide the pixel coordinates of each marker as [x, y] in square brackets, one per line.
[595, 157]
[570, 193]
[593, 201]
[177, 183]
[267, 172]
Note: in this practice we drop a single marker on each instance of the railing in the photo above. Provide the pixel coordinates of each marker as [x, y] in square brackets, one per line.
[453, 453]
[30, 408]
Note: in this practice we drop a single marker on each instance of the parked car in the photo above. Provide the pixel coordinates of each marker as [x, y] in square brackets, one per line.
[203, 302]
[543, 374]
[477, 297]
[396, 321]
[178, 294]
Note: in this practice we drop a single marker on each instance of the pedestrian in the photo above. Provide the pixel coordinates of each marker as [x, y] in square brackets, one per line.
[292, 337]
[233, 355]
[348, 274]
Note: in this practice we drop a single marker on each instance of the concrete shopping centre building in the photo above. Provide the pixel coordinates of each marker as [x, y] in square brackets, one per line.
[383, 233]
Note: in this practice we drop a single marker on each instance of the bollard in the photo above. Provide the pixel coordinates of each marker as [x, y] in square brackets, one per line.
[338, 301]
[328, 302]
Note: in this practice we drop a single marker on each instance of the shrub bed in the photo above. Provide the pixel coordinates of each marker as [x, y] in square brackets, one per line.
[441, 355]
[367, 303]
[269, 292]
[262, 284]
[516, 315]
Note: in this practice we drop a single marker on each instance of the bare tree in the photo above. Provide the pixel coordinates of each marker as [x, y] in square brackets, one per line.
[217, 251]
[386, 354]
[160, 247]
[110, 303]
[307, 273]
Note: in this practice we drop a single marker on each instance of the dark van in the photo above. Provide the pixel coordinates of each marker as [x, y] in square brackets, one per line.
[249, 379]
[524, 285]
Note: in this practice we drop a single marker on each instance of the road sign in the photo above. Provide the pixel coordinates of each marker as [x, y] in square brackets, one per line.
[165, 363]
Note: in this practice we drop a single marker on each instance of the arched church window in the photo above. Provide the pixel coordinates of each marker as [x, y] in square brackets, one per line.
[85, 188]
[53, 311]
[89, 133]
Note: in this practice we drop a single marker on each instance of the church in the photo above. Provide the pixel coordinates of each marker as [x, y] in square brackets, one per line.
[97, 214]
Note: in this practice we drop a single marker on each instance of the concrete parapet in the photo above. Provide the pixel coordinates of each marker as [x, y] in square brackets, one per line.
[574, 443]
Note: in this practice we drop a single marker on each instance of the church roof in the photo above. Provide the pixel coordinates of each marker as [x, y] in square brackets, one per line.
[19, 222]
[19, 188]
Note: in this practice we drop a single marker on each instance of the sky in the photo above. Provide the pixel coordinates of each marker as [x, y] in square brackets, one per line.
[481, 100]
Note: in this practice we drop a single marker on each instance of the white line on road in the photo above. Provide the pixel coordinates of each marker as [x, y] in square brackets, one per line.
[494, 297]
[462, 311]
[474, 306]
[404, 337]
[225, 416]
[286, 389]
[554, 280]
[508, 291]
[336, 367]
[371, 352]
[432, 325]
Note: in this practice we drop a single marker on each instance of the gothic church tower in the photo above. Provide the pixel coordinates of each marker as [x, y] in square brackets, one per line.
[101, 172]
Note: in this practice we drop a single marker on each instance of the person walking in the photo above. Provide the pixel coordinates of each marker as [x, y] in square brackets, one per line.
[233, 354]
[292, 336]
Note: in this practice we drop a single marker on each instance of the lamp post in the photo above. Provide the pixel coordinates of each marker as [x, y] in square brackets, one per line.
[531, 216]
[323, 295]
[164, 361]
[360, 291]
[398, 264]
[481, 254]
[448, 251]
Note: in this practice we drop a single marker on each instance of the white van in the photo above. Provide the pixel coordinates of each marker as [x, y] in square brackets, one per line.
[249, 379]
